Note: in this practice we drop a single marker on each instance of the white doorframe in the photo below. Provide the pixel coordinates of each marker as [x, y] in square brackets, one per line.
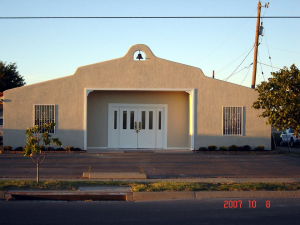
[192, 108]
[113, 106]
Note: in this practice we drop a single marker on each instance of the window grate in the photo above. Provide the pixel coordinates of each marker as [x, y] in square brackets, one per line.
[44, 114]
[232, 120]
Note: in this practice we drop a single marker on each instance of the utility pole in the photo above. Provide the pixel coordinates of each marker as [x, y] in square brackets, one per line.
[256, 45]
[259, 31]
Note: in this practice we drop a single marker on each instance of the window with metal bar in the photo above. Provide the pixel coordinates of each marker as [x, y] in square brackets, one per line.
[44, 114]
[232, 120]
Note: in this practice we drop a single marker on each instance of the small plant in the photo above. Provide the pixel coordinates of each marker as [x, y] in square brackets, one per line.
[223, 148]
[240, 148]
[7, 148]
[247, 148]
[232, 148]
[77, 149]
[37, 138]
[50, 149]
[69, 148]
[212, 148]
[19, 149]
[202, 149]
[259, 148]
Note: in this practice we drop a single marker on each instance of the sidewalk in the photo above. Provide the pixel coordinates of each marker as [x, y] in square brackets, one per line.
[181, 166]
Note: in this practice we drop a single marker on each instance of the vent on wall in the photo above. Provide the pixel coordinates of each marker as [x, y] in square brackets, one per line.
[139, 55]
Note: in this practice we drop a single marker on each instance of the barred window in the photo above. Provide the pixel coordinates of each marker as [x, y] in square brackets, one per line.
[44, 114]
[232, 120]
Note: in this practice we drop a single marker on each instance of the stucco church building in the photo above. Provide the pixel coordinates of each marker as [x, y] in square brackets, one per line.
[124, 103]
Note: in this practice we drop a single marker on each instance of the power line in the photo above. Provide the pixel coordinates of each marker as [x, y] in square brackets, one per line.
[247, 73]
[269, 65]
[240, 64]
[205, 57]
[235, 60]
[144, 17]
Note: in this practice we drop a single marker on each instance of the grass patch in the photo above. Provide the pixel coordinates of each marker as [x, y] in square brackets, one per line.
[151, 187]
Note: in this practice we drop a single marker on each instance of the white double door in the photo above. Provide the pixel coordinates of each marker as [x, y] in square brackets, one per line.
[137, 127]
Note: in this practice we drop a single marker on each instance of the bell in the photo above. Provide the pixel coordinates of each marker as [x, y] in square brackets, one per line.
[139, 57]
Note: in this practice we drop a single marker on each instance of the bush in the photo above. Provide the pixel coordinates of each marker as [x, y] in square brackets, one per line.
[43, 148]
[50, 149]
[259, 148]
[202, 149]
[77, 149]
[232, 148]
[60, 149]
[247, 148]
[240, 148]
[69, 148]
[223, 148]
[19, 149]
[7, 148]
[212, 148]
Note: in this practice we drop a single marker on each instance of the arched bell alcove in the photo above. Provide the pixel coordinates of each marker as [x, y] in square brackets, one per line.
[139, 55]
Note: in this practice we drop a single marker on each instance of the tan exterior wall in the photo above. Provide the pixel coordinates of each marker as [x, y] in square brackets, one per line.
[178, 114]
[125, 73]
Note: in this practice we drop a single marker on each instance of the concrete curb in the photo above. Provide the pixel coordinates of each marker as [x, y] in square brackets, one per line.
[156, 196]
[150, 196]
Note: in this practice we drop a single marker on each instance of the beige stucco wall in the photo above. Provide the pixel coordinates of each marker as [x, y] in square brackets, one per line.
[125, 73]
[178, 114]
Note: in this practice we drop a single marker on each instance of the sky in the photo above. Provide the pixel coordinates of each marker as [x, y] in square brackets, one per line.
[45, 49]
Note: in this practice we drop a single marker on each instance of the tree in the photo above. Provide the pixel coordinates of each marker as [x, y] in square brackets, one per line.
[10, 77]
[280, 99]
[38, 139]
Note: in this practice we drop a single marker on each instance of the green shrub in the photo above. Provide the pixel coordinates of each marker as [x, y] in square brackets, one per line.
[50, 149]
[223, 148]
[77, 149]
[7, 148]
[19, 149]
[69, 148]
[232, 148]
[247, 148]
[203, 149]
[240, 148]
[260, 148]
[212, 148]
[60, 149]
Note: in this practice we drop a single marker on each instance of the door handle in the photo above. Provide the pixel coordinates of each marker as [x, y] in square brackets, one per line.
[140, 125]
[135, 125]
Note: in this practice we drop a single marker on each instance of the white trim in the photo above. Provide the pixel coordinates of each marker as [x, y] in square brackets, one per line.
[192, 103]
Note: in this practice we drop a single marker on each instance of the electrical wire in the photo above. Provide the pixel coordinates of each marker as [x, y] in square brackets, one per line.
[283, 49]
[261, 67]
[240, 64]
[270, 66]
[143, 17]
[247, 73]
[225, 40]
[234, 60]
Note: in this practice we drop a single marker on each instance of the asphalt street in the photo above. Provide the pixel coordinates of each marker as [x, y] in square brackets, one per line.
[201, 212]
[155, 165]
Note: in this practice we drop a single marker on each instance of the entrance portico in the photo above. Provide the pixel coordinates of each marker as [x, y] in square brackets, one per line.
[139, 119]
